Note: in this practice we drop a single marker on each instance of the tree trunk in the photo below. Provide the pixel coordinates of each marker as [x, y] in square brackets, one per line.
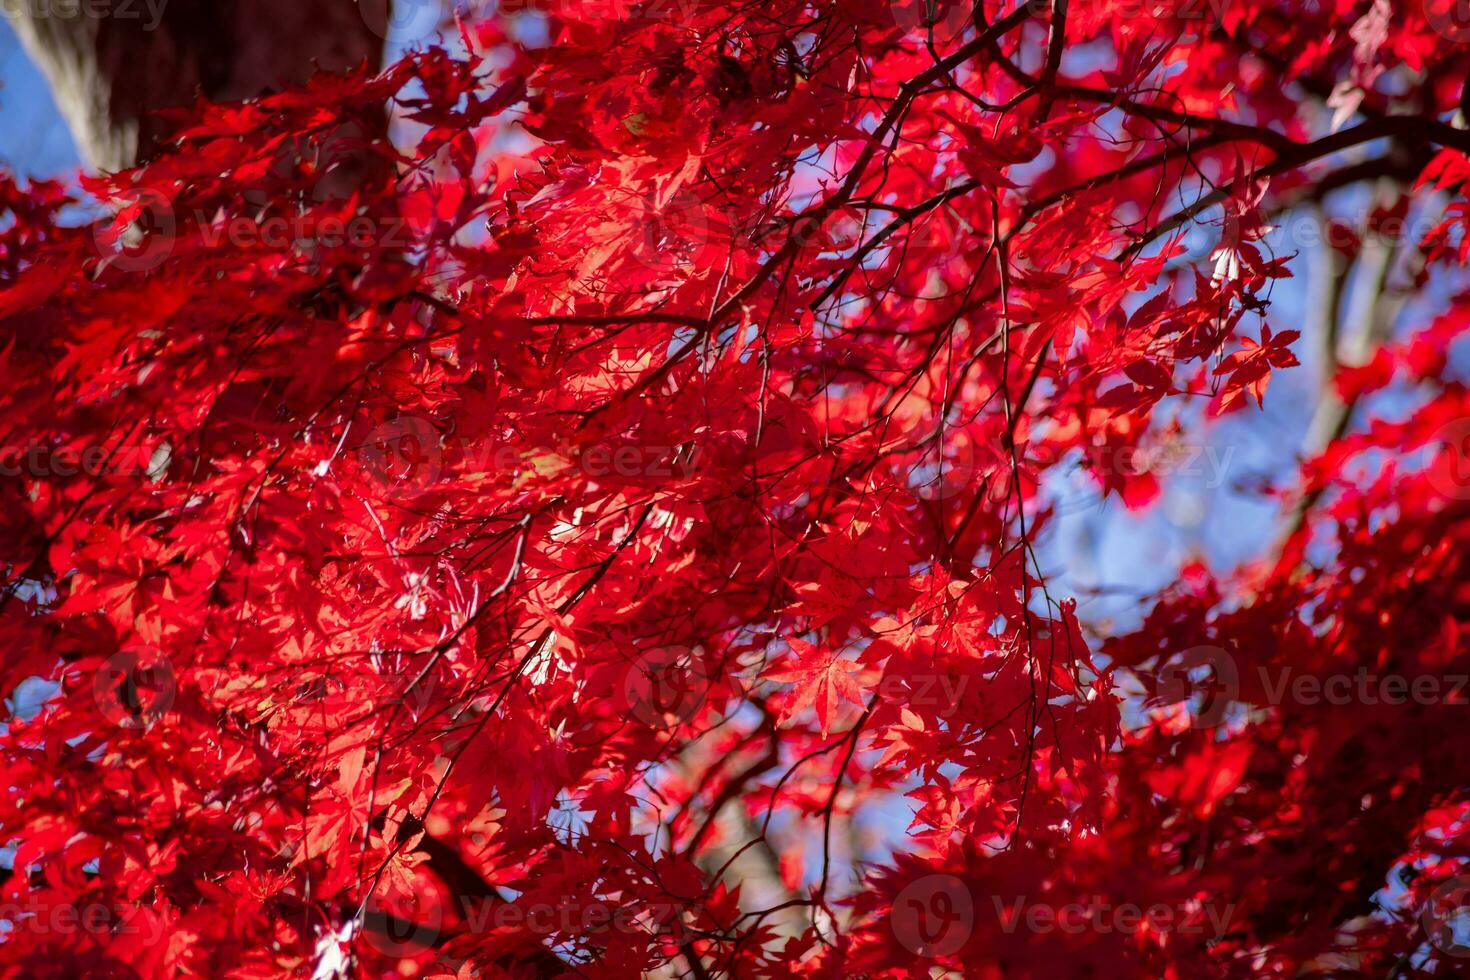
[112, 63]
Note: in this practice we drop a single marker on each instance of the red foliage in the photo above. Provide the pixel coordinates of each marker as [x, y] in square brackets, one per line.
[563, 547]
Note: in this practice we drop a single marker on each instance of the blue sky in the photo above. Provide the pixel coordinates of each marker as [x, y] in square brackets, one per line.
[34, 141]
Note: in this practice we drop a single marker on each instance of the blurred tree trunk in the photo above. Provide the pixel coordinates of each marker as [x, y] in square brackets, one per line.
[112, 63]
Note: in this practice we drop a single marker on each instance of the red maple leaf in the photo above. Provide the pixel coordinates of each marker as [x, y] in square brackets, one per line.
[821, 676]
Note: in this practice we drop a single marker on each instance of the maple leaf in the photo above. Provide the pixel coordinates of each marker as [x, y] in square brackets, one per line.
[820, 677]
[1250, 369]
